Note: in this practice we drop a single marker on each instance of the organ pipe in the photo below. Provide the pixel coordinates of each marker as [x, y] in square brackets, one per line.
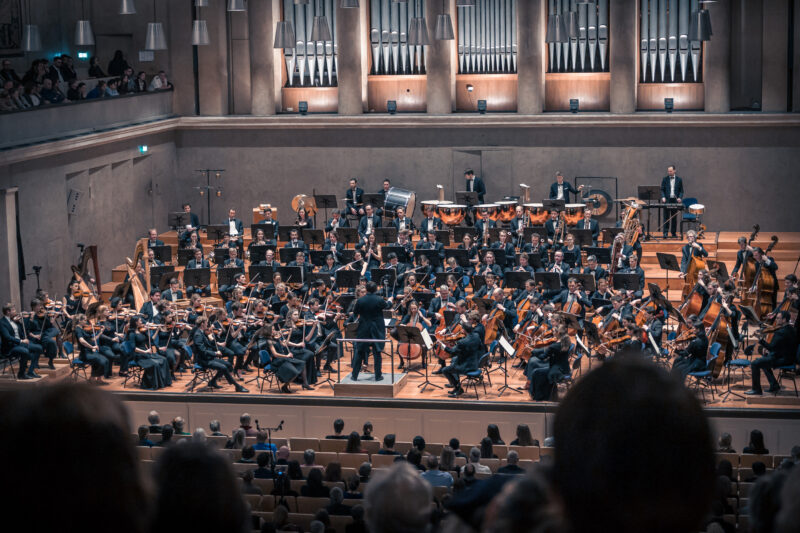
[665, 49]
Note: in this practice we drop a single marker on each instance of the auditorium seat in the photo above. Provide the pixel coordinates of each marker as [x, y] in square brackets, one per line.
[340, 523]
[217, 441]
[744, 489]
[439, 493]
[371, 446]
[325, 458]
[240, 468]
[732, 457]
[332, 445]
[402, 447]
[434, 448]
[296, 455]
[331, 484]
[232, 455]
[302, 444]
[526, 452]
[353, 460]
[348, 472]
[461, 461]
[493, 464]
[382, 461]
[546, 451]
[296, 484]
[143, 452]
[254, 500]
[311, 505]
[155, 452]
[747, 460]
[266, 485]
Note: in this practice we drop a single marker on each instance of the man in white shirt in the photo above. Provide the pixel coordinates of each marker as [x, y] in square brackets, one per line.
[475, 460]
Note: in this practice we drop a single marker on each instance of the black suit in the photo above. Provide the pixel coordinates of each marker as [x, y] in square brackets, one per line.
[592, 226]
[671, 198]
[341, 223]
[13, 347]
[167, 295]
[359, 202]
[428, 224]
[781, 351]
[567, 189]
[477, 186]
[205, 355]
[363, 225]
[369, 311]
[408, 222]
[687, 252]
[239, 229]
[741, 260]
[466, 354]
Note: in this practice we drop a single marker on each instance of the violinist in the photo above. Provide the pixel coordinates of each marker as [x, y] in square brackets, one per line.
[401, 221]
[596, 270]
[333, 245]
[198, 262]
[168, 342]
[278, 299]
[287, 368]
[573, 299]
[472, 252]
[453, 268]
[455, 289]
[653, 328]
[303, 220]
[506, 305]
[557, 356]
[368, 223]
[330, 348]
[602, 291]
[156, 369]
[614, 312]
[466, 353]
[432, 244]
[107, 338]
[296, 342]
[86, 338]
[537, 247]
[294, 241]
[572, 252]
[692, 249]
[150, 309]
[742, 255]
[504, 246]
[16, 344]
[693, 357]
[780, 351]
[235, 338]
[174, 293]
[207, 355]
[766, 263]
[337, 221]
[589, 223]
[424, 271]
[634, 268]
[489, 266]
[42, 331]
[319, 291]
[636, 336]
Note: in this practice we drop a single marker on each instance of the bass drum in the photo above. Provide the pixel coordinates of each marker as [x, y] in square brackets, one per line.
[396, 197]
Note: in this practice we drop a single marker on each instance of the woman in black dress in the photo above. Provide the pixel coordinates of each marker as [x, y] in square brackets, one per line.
[287, 368]
[156, 367]
[303, 220]
[86, 338]
[296, 343]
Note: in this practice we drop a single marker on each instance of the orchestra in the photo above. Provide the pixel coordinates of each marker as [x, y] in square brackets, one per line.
[552, 294]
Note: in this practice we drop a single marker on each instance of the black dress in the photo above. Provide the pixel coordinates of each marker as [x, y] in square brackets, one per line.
[286, 368]
[303, 354]
[156, 368]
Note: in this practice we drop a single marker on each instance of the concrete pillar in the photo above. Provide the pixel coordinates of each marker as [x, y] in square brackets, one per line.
[796, 55]
[213, 62]
[623, 45]
[181, 57]
[717, 64]
[439, 66]
[9, 271]
[348, 26]
[263, 57]
[531, 22]
[775, 56]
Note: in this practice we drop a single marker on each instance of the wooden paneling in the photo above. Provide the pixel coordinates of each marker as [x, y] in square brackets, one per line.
[320, 99]
[686, 96]
[593, 89]
[408, 91]
[499, 91]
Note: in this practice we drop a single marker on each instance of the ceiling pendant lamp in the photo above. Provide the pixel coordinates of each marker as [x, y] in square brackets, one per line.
[127, 7]
[84, 36]
[31, 40]
[443, 31]
[700, 26]
[155, 38]
[284, 35]
[200, 33]
[347, 4]
[556, 30]
[236, 5]
[320, 29]
[465, 3]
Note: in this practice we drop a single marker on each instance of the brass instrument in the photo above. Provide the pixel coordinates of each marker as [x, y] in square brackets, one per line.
[630, 224]
[560, 229]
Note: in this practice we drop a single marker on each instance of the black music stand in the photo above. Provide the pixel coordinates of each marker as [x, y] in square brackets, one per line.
[386, 235]
[163, 253]
[215, 232]
[264, 273]
[582, 237]
[375, 199]
[722, 270]
[347, 256]
[626, 282]
[185, 255]
[461, 256]
[267, 227]
[258, 252]
[603, 255]
[516, 280]
[443, 236]
[570, 258]
[534, 260]
[325, 201]
[440, 278]
[284, 231]
[597, 303]
[226, 274]
[432, 255]
[197, 277]
[649, 194]
[399, 251]
[484, 304]
[348, 235]
[178, 220]
[377, 275]
[527, 231]
[347, 279]
[313, 277]
[541, 230]
[157, 272]
[477, 281]
[551, 204]
[318, 256]
[510, 352]
[587, 281]
[291, 274]
[313, 237]
[668, 262]
[467, 198]
[460, 231]
[551, 281]
[609, 234]
[287, 255]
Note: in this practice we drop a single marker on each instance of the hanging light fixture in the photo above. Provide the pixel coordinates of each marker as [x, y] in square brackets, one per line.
[418, 32]
[347, 4]
[465, 3]
[700, 25]
[31, 41]
[236, 5]
[320, 30]
[83, 30]
[200, 3]
[301, 2]
[443, 31]
[155, 39]
[284, 35]
[200, 26]
[556, 30]
[127, 7]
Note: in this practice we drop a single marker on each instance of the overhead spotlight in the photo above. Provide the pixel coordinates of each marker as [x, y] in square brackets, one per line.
[573, 105]
[482, 107]
[143, 149]
[470, 88]
[669, 105]
[302, 107]
[391, 106]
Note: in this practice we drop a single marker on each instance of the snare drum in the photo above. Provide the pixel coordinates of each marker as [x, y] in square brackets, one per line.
[573, 213]
[537, 213]
[697, 209]
[429, 206]
[451, 214]
[399, 198]
[507, 210]
[487, 211]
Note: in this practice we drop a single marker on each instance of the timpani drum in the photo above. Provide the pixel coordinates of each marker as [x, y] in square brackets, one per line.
[507, 210]
[697, 209]
[573, 213]
[487, 211]
[451, 214]
[396, 197]
[537, 214]
[429, 206]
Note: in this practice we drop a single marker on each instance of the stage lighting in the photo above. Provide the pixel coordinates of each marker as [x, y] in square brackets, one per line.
[669, 105]
[391, 106]
[303, 107]
[143, 149]
[573, 105]
[482, 107]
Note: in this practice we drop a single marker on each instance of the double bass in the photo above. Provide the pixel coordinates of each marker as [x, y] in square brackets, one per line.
[696, 264]
[764, 287]
[748, 271]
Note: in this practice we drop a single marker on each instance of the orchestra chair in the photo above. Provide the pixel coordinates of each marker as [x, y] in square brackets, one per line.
[9, 361]
[76, 366]
[788, 372]
[737, 365]
[704, 379]
[265, 370]
[477, 376]
[200, 374]
[135, 371]
[568, 380]
[688, 218]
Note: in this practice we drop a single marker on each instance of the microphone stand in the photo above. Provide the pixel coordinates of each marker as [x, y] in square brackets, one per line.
[272, 448]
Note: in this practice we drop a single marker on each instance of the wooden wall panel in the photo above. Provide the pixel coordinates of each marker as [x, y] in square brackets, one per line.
[499, 91]
[320, 99]
[593, 89]
[408, 91]
[686, 96]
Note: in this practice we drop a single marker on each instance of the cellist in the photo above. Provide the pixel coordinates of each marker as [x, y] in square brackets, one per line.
[573, 299]
[765, 265]
[690, 250]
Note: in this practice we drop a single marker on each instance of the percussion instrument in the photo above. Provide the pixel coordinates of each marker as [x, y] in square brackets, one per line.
[599, 201]
[506, 210]
[302, 200]
[451, 214]
[537, 213]
[429, 206]
[487, 211]
[396, 197]
[697, 209]
[573, 213]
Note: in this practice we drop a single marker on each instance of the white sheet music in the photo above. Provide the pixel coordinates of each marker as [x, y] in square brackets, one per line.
[426, 337]
[506, 346]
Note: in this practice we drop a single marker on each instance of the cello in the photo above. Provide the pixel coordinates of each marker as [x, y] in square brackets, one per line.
[764, 287]
[493, 324]
[748, 272]
[717, 323]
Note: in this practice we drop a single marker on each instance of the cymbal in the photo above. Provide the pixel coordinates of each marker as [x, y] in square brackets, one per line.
[628, 199]
[303, 200]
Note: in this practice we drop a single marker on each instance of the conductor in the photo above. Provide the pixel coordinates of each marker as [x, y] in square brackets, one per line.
[369, 313]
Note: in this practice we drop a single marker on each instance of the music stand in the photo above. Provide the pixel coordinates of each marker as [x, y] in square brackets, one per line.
[535, 261]
[582, 237]
[325, 201]
[461, 256]
[432, 255]
[551, 204]
[178, 219]
[287, 255]
[264, 273]
[603, 255]
[215, 232]
[197, 277]
[313, 237]
[484, 304]
[318, 256]
[460, 231]
[377, 275]
[477, 281]
[267, 227]
[258, 252]
[347, 235]
[291, 274]
[571, 321]
[185, 255]
[424, 298]
[510, 352]
[722, 270]
[386, 235]
[541, 230]
[551, 281]
[627, 282]
[516, 280]
[157, 272]
[443, 236]
[347, 279]
[571, 258]
[668, 262]
[412, 335]
[527, 231]
[399, 251]
[163, 253]
[587, 280]
[610, 233]
[226, 274]
[597, 303]
[375, 199]
[467, 198]
[326, 278]
[347, 256]
[284, 231]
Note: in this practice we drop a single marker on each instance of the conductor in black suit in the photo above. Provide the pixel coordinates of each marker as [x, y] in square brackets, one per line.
[560, 189]
[474, 184]
[671, 192]
[369, 312]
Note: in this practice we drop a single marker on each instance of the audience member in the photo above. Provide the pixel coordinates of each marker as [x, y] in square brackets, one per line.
[724, 444]
[366, 431]
[364, 472]
[468, 474]
[154, 421]
[486, 449]
[8, 73]
[178, 423]
[756, 445]
[261, 442]
[166, 435]
[143, 440]
[524, 504]
[282, 456]
[434, 476]
[386, 513]
[247, 484]
[280, 521]
[388, 445]
[475, 461]
[493, 432]
[200, 436]
[314, 487]
[456, 445]
[414, 457]
[99, 90]
[294, 471]
[214, 427]
[118, 65]
[419, 443]
[50, 93]
[352, 483]
[309, 459]
[765, 503]
[248, 455]
[244, 423]
[333, 472]
[94, 68]
[338, 427]
[447, 461]
[283, 487]
[788, 517]
[524, 437]
[236, 442]
[263, 471]
[759, 470]
[358, 525]
[336, 507]
[354, 443]
[512, 464]
[160, 82]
